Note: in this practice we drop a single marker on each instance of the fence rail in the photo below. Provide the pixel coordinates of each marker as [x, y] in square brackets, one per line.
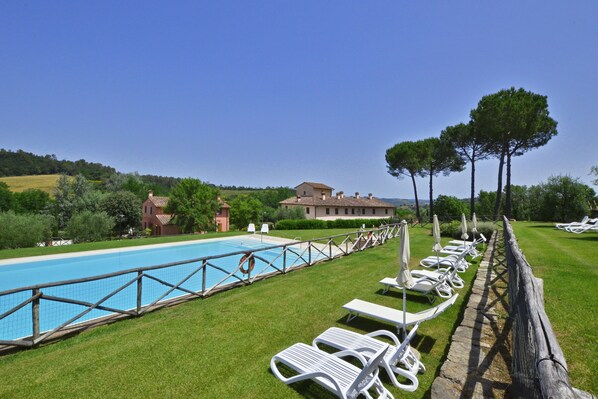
[539, 368]
[36, 314]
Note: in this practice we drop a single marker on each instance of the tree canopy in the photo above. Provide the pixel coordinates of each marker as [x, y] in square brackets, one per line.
[405, 160]
[193, 205]
[437, 158]
[471, 145]
[514, 122]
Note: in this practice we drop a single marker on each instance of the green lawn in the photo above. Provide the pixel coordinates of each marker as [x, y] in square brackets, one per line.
[568, 264]
[220, 347]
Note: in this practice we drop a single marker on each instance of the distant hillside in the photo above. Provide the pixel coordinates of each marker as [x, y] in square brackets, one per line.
[21, 163]
[19, 184]
[404, 202]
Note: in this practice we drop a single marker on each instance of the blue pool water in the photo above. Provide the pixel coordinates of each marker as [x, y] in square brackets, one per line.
[53, 314]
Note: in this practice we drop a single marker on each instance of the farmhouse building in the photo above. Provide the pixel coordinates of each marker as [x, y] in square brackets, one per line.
[318, 203]
[161, 224]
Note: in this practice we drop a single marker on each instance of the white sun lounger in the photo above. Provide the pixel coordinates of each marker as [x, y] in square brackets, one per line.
[395, 316]
[338, 376]
[399, 358]
[457, 261]
[448, 274]
[426, 286]
[470, 248]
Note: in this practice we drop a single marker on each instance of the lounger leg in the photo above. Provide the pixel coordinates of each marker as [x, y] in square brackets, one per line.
[351, 316]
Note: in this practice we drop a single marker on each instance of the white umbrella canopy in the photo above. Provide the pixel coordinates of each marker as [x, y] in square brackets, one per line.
[464, 234]
[436, 234]
[404, 278]
[474, 225]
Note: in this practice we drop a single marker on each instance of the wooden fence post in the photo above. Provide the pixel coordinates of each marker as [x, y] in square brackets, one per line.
[139, 291]
[35, 313]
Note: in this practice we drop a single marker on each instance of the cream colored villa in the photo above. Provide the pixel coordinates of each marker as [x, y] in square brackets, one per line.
[319, 203]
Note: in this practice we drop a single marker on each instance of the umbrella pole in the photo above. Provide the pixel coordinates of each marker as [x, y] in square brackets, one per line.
[404, 313]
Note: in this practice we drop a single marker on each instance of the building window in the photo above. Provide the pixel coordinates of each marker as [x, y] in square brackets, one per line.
[373, 211]
[145, 211]
[352, 211]
[346, 211]
[151, 210]
[327, 211]
[363, 211]
[307, 210]
[304, 193]
[336, 211]
[386, 211]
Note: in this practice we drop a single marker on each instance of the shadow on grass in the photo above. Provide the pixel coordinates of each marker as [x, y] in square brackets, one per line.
[411, 296]
[592, 237]
[542, 226]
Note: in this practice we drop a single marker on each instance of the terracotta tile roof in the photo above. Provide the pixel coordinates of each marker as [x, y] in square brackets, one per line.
[164, 219]
[160, 202]
[317, 185]
[339, 202]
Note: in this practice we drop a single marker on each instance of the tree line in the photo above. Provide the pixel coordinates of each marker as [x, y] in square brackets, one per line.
[85, 210]
[504, 125]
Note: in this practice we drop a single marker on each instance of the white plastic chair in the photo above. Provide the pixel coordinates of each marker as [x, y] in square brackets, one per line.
[265, 229]
[251, 228]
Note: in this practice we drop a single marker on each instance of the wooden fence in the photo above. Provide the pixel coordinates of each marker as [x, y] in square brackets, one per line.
[539, 368]
[24, 312]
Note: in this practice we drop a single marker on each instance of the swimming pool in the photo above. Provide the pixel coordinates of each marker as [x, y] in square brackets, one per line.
[157, 284]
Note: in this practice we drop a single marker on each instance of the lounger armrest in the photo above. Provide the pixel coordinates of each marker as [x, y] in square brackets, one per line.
[386, 334]
[350, 352]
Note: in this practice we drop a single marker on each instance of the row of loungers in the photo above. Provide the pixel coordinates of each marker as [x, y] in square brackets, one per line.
[399, 360]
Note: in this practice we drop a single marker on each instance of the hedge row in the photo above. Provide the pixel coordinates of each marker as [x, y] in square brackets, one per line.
[453, 229]
[312, 224]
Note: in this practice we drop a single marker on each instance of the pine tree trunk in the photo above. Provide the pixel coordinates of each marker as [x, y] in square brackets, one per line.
[508, 188]
[431, 199]
[472, 199]
[416, 199]
[501, 165]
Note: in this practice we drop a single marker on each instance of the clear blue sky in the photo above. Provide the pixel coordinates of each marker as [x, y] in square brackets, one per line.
[261, 93]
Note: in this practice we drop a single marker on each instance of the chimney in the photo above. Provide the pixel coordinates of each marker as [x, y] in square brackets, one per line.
[298, 198]
[338, 195]
[150, 194]
[323, 196]
[342, 194]
[357, 194]
[370, 196]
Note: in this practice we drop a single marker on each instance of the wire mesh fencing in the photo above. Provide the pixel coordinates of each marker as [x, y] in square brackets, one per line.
[40, 313]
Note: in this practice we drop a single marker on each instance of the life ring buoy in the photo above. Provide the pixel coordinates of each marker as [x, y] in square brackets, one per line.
[369, 235]
[250, 260]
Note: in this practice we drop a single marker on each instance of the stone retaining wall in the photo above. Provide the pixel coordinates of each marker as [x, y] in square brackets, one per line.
[477, 365]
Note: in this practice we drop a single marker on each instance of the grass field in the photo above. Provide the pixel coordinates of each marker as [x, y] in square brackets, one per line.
[220, 347]
[568, 264]
[21, 183]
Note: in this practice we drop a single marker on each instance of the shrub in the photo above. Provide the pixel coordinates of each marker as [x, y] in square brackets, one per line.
[453, 229]
[89, 226]
[20, 231]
